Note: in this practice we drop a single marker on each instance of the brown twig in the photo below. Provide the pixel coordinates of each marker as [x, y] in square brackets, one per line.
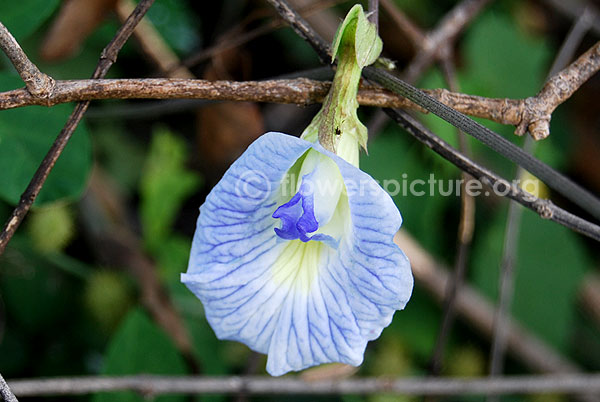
[107, 58]
[159, 385]
[517, 112]
[38, 84]
[299, 91]
[559, 88]
[445, 32]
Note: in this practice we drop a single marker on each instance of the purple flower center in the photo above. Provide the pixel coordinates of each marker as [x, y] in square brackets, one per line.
[298, 217]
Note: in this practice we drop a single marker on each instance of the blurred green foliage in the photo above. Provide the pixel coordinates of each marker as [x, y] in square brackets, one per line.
[139, 346]
[25, 136]
[63, 311]
[27, 16]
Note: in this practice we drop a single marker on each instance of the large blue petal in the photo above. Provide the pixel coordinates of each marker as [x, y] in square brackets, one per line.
[235, 243]
[326, 303]
[359, 287]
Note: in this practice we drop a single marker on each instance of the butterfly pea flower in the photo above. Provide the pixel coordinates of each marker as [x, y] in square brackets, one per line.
[293, 253]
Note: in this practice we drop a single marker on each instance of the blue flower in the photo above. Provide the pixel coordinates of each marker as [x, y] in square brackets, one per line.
[293, 255]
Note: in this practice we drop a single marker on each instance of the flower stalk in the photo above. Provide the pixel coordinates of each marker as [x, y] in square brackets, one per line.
[336, 126]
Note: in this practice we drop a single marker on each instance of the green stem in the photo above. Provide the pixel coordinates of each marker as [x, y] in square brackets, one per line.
[339, 108]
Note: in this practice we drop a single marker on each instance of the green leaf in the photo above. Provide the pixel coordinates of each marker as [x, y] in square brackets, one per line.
[26, 135]
[397, 165]
[26, 16]
[165, 184]
[417, 325]
[140, 347]
[207, 348]
[176, 23]
[33, 288]
[546, 282]
[120, 154]
[503, 61]
[172, 256]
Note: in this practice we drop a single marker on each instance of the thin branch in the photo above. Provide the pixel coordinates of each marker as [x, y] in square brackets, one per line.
[160, 385]
[107, 58]
[557, 89]
[465, 235]
[511, 234]
[478, 311]
[545, 208]
[506, 282]
[445, 32]
[496, 142]
[299, 91]
[38, 84]
[5, 392]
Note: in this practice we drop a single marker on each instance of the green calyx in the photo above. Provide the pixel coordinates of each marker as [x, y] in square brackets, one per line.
[356, 45]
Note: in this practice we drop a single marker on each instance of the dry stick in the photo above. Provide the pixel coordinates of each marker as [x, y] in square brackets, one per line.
[38, 84]
[452, 23]
[300, 91]
[151, 386]
[511, 235]
[5, 392]
[532, 113]
[557, 89]
[107, 58]
[464, 237]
